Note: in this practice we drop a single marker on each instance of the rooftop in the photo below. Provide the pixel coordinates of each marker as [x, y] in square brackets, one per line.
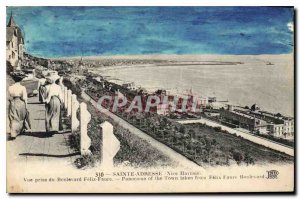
[242, 114]
[12, 29]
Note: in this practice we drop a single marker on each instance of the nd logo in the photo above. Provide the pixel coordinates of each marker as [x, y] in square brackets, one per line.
[272, 174]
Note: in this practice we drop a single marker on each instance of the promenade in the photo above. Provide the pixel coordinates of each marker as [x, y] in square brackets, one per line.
[36, 146]
[247, 135]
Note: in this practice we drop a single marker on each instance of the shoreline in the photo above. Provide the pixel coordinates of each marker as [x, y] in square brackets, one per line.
[167, 64]
[174, 57]
[102, 71]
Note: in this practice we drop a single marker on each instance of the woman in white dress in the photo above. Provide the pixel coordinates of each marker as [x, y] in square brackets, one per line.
[59, 82]
[17, 113]
[42, 89]
[53, 107]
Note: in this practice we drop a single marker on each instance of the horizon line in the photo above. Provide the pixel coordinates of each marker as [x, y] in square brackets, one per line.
[141, 55]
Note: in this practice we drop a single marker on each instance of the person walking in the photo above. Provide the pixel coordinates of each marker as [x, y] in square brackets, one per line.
[53, 106]
[42, 89]
[18, 114]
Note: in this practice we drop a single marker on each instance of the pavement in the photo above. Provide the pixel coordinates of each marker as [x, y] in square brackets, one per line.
[36, 145]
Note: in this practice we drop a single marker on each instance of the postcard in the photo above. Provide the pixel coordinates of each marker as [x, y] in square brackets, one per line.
[150, 99]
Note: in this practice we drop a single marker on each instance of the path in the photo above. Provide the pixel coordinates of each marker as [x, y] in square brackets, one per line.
[259, 140]
[36, 146]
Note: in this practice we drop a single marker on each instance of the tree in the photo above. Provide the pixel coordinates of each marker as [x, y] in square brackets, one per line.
[217, 128]
[213, 142]
[164, 121]
[182, 129]
[9, 67]
[238, 157]
[192, 133]
[253, 107]
[278, 115]
[248, 159]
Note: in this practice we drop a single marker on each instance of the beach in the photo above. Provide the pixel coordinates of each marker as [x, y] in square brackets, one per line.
[267, 80]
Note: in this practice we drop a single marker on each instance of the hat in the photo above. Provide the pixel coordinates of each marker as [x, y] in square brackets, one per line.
[49, 78]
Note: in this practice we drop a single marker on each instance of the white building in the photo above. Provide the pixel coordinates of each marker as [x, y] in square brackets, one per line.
[14, 43]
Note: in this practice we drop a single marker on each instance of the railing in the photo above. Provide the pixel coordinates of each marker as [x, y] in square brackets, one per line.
[110, 144]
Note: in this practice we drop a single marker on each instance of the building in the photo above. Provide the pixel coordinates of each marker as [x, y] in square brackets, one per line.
[129, 85]
[212, 99]
[80, 69]
[242, 119]
[256, 120]
[211, 112]
[14, 43]
[278, 125]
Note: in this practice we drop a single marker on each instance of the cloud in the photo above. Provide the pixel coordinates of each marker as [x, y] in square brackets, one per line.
[290, 26]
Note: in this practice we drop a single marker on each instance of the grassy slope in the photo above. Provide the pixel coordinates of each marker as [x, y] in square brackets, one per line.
[228, 141]
[133, 151]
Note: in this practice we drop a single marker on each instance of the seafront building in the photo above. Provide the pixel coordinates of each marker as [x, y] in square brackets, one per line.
[129, 85]
[80, 68]
[255, 120]
[14, 43]
[278, 125]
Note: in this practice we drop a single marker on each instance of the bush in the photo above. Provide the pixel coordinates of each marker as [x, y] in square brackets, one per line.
[9, 67]
[248, 159]
[74, 141]
[280, 140]
[238, 157]
[76, 89]
[85, 161]
[136, 152]
[218, 129]
[182, 129]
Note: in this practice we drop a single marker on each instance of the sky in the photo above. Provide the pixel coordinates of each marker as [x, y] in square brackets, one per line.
[91, 31]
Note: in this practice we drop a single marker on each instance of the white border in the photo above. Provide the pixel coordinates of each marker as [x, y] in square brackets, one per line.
[5, 3]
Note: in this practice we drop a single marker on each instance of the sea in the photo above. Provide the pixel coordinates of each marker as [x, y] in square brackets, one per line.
[268, 85]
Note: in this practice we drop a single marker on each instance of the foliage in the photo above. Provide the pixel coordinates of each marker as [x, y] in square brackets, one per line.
[182, 129]
[235, 147]
[73, 86]
[9, 67]
[138, 152]
[74, 141]
[85, 161]
[217, 128]
[237, 156]
[248, 159]
[280, 140]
